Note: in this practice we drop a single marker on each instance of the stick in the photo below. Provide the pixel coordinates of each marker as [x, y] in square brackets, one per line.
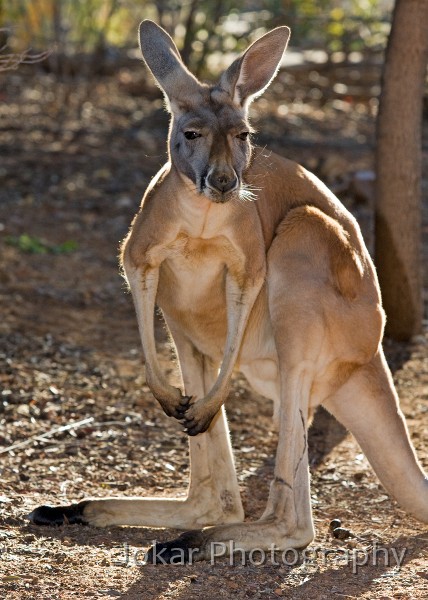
[37, 438]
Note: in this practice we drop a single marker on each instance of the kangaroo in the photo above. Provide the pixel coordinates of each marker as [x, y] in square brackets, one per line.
[258, 267]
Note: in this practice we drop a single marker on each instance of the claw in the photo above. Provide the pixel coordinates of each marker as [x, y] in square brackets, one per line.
[195, 431]
[183, 407]
[185, 400]
[194, 428]
[179, 410]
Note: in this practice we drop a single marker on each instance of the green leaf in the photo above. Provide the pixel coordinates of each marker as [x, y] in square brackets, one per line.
[34, 245]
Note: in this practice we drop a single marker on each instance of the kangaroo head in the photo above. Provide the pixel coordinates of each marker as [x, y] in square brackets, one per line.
[209, 132]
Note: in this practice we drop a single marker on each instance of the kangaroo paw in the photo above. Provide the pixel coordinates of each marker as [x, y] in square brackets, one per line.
[198, 417]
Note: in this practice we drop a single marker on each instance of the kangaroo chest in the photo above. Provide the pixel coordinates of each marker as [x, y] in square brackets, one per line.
[190, 274]
[191, 289]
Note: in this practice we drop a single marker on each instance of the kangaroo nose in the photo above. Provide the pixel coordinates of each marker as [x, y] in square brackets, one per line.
[222, 181]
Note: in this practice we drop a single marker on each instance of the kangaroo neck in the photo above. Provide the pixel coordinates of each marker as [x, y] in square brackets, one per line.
[199, 216]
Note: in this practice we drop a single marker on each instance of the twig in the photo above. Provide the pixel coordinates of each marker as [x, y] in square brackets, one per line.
[37, 438]
[12, 61]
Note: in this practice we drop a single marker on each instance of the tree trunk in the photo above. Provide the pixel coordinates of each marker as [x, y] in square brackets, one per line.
[398, 166]
[186, 50]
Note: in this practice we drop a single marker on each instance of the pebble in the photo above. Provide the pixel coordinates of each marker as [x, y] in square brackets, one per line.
[334, 524]
[340, 533]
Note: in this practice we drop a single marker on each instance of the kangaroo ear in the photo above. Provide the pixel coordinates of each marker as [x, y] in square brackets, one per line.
[249, 76]
[163, 59]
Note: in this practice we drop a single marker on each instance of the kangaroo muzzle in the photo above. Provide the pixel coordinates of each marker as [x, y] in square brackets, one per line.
[222, 180]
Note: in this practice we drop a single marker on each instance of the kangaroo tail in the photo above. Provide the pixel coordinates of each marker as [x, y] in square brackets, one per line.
[367, 405]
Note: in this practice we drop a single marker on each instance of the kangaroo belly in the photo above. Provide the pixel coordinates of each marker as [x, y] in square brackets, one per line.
[192, 297]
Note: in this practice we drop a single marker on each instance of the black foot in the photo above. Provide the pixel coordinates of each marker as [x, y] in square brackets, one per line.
[59, 515]
[185, 549]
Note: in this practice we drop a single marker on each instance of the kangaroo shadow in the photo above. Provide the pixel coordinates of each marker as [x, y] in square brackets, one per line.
[359, 571]
[322, 576]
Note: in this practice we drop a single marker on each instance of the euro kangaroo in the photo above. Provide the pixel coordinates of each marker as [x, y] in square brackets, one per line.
[258, 267]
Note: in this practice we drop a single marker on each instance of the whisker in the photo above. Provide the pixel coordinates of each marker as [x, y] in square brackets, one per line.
[247, 193]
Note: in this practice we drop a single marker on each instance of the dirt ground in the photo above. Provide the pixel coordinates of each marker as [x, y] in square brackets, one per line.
[75, 159]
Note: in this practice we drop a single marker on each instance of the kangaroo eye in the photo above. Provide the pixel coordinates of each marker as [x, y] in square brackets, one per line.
[191, 135]
[243, 136]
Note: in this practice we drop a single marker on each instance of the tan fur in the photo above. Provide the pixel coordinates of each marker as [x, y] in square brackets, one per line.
[281, 288]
